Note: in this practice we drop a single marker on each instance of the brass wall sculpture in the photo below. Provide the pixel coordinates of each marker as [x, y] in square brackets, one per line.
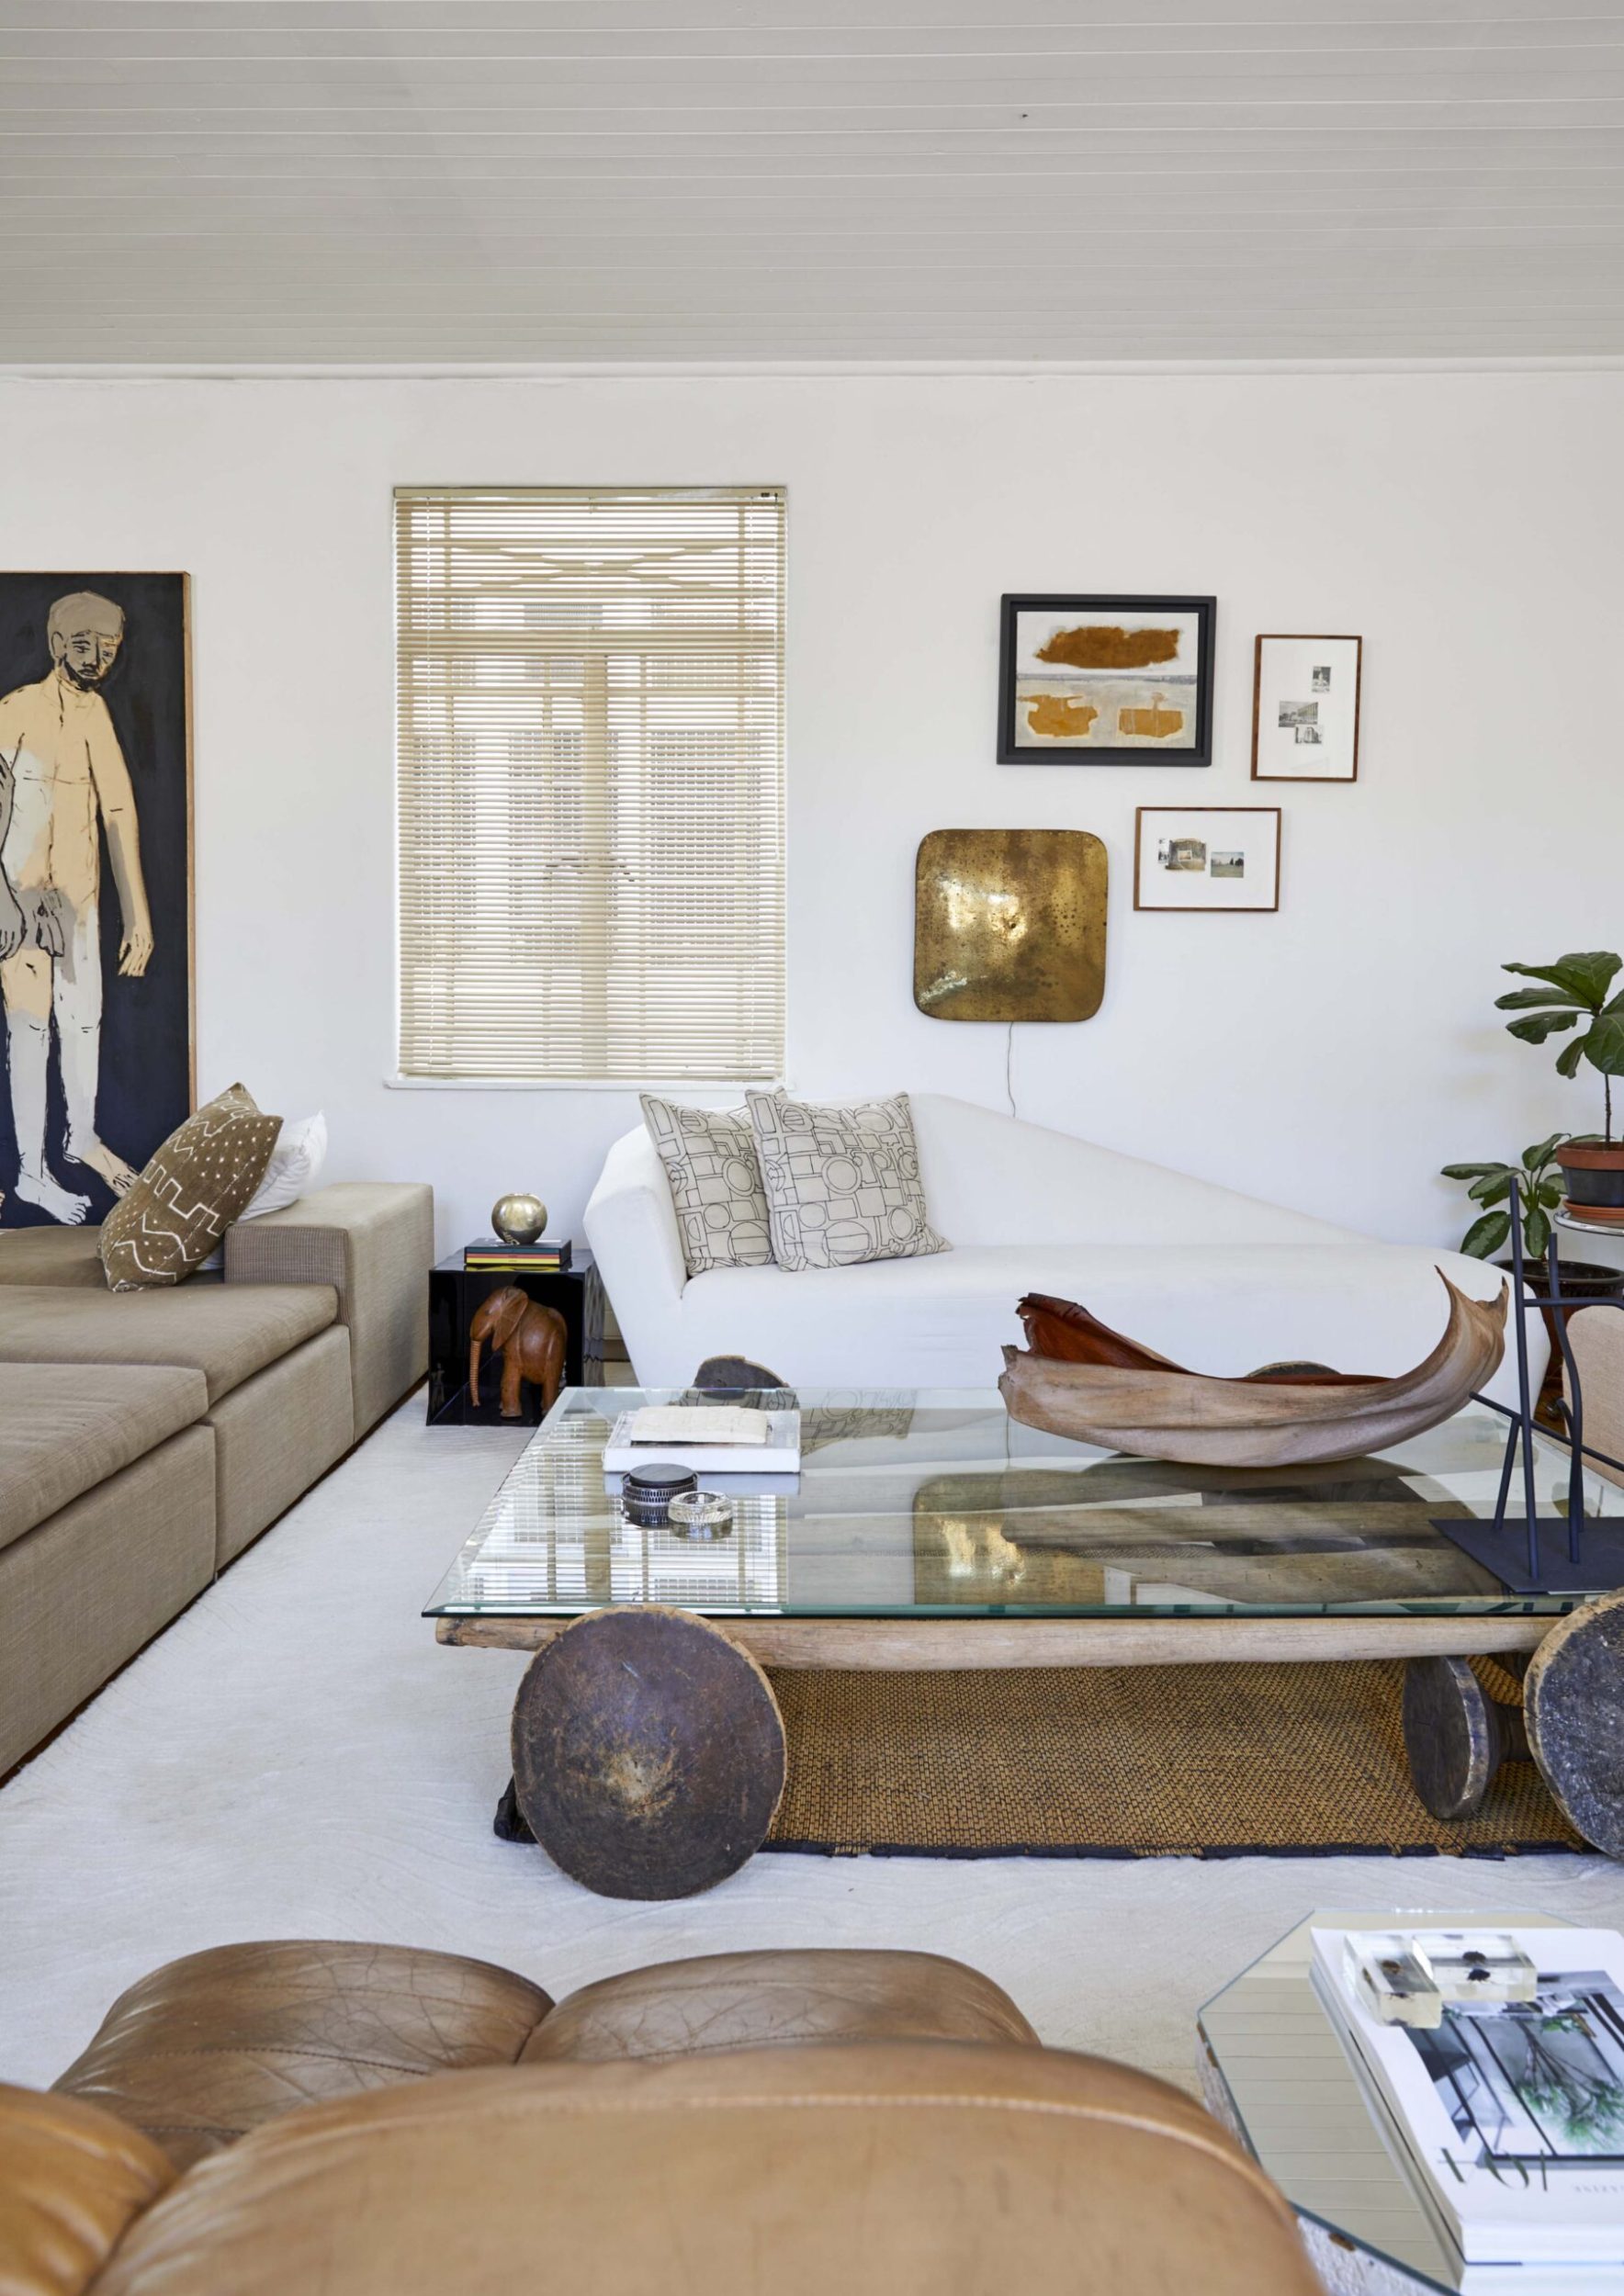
[1010, 925]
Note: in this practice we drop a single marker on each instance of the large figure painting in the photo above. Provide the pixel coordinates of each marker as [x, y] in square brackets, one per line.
[95, 926]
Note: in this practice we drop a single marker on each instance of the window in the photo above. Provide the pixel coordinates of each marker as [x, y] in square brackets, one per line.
[590, 766]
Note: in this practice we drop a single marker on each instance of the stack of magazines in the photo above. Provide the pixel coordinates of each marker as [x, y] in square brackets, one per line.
[1493, 2058]
[490, 1255]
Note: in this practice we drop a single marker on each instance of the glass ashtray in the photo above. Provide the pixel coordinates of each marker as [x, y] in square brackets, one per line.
[701, 1515]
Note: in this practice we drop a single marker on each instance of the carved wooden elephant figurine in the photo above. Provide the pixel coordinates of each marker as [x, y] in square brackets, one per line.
[529, 1338]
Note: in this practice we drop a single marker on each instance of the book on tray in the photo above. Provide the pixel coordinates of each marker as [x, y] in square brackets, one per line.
[712, 1438]
[1494, 2056]
[544, 1257]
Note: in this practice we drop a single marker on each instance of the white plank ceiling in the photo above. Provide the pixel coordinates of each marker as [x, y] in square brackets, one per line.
[430, 181]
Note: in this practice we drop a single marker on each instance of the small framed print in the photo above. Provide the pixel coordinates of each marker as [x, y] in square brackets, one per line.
[1305, 709]
[1207, 856]
[1106, 681]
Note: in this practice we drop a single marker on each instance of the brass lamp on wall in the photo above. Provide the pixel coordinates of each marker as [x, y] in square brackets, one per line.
[1010, 925]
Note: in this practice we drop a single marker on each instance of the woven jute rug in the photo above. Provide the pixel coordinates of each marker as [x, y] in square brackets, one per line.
[1128, 1761]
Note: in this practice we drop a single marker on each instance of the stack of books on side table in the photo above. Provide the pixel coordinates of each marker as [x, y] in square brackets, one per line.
[1494, 2060]
[490, 1255]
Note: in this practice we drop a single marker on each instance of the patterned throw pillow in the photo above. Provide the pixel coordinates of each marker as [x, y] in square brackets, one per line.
[196, 1184]
[709, 1157]
[842, 1183]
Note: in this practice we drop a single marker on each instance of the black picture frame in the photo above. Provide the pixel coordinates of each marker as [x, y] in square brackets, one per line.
[1013, 751]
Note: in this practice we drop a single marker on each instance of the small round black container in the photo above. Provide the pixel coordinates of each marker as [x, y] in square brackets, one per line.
[648, 1491]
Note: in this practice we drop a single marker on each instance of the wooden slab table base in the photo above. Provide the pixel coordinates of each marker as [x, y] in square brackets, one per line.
[908, 1646]
[648, 1753]
[1456, 1735]
[1574, 1702]
[1571, 1725]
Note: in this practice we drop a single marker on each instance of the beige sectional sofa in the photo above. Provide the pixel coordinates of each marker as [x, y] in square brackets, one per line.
[146, 1437]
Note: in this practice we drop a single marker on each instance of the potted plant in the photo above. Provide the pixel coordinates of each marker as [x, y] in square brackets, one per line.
[1573, 990]
[1540, 1192]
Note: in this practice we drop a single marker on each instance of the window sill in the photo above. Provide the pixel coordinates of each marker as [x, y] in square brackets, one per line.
[629, 1085]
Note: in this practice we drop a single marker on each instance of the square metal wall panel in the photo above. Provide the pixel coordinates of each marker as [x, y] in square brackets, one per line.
[1010, 925]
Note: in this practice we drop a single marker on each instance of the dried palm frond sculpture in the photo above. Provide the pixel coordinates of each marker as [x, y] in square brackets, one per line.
[1085, 1380]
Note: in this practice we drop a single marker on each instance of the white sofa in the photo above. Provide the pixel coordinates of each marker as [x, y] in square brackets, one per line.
[1216, 1280]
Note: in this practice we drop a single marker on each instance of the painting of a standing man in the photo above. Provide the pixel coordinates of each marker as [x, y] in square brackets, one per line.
[67, 795]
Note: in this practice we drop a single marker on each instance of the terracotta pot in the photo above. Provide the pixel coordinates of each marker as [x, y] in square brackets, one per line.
[1594, 1178]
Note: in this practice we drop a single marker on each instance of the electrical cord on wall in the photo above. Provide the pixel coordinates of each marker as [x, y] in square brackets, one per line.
[1009, 1069]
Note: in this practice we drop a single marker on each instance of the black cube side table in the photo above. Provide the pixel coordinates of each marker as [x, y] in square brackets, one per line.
[454, 1293]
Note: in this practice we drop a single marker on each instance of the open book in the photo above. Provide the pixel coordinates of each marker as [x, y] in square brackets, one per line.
[1499, 2056]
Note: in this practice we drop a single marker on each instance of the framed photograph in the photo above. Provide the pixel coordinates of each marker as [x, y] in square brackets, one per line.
[1207, 856]
[1106, 681]
[95, 887]
[1305, 709]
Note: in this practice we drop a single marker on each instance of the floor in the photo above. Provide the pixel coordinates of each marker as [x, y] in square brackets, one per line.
[298, 1756]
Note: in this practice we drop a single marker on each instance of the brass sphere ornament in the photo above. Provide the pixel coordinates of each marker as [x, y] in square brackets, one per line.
[518, 1219]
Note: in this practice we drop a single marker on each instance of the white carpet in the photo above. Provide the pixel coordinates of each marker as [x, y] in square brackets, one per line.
[298, 1756]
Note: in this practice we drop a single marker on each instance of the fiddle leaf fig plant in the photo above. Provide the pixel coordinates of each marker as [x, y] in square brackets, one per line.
[1540, 1181]
[1574, 988]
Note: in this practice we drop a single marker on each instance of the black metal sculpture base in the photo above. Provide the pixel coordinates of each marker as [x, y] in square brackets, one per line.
[1503, 1547]
[1567, 1554]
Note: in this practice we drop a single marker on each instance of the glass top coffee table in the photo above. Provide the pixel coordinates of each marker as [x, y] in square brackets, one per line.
[928, 1529]
[932, 1510]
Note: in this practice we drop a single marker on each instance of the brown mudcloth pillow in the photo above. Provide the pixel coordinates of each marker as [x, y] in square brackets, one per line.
[196, 1185]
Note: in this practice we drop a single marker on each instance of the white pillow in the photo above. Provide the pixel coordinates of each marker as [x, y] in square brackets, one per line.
[296, 1161]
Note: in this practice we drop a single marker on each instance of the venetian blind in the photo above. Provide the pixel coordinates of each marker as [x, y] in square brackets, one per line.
[590, 773]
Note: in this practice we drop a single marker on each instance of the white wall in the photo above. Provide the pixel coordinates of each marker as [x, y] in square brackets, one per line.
[1329, 1057]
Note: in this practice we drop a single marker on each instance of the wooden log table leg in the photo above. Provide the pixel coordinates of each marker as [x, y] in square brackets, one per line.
[648, 1752]
[1456, 1735]
[1573, 1697]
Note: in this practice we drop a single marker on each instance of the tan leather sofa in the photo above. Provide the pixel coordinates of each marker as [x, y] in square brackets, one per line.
[370, 2121]
[146, 1437]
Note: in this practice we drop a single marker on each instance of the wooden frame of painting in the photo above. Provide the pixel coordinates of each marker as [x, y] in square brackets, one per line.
[1186, 849]
[1106, 680]
[97, 897]
[1305, 702]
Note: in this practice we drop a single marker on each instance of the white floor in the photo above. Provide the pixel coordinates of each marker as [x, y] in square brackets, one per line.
[298, 1756]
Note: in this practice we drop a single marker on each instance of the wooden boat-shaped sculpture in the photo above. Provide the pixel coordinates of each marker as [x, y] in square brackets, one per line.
[1085, 1380]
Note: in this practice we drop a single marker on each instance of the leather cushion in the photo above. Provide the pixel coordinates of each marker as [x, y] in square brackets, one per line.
[211, 2045]
[226, 1331]
[65, 1427]
[71, 2180]
[765, 1999]
[888, 2169]
[52, 1256]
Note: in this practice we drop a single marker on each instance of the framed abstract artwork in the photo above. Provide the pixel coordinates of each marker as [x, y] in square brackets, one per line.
[1207, 856]
[1305, 694]
[95, 887]
[1106, 680]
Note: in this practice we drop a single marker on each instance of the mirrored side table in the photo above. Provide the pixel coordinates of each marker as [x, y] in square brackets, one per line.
[1274, 2072]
